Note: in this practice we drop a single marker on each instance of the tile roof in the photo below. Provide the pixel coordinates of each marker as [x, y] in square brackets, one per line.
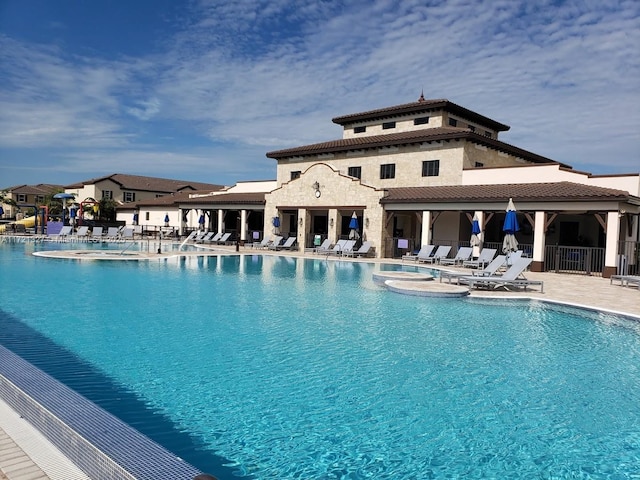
[541, 192]
[406, 138]
[39, 189]
[420, 106]
[183, 198]
[150, 184]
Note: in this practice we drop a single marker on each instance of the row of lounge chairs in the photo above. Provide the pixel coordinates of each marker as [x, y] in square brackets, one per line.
[489, 277]
[276, 243]
[344, 248]
[97, 234]
[210, 238]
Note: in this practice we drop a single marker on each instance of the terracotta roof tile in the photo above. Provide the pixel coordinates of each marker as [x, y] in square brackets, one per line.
[150, 184]
[406, 138]
[542, 192]
[418, 107]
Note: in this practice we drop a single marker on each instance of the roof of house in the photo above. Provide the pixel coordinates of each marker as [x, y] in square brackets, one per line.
[541, 192]
[421, 106]
[185, 198]
[406, 138]
[149, 184]
[39, 189]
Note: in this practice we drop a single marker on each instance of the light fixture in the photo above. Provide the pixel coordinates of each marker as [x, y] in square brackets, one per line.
[300, 221]
[331, 222]
[366, 222]
[316, 187]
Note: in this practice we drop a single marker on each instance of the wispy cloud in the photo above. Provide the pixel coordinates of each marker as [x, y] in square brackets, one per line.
[250, 76]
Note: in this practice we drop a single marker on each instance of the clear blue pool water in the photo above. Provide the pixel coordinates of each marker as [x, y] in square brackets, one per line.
[271, 367]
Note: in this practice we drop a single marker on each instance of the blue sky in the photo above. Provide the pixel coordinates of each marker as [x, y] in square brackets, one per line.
[201, 90]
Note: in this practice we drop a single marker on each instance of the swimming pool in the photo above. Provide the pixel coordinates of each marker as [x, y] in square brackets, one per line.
[272, 367]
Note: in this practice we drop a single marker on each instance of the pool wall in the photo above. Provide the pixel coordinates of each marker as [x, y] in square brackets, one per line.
[96, 441]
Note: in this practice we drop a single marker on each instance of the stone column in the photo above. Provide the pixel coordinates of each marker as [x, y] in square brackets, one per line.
[333, 225]
[220, 220]
[303, 221]
[243, 226]
[611, 244]
[539, 231]
[426, 228]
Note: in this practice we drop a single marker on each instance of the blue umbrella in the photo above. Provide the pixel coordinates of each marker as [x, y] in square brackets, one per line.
[135, 218]
[201, 219]
[510, 227]
[166, 220]
[1, 210]
[475, 232]
[353, 225]
[276, 222]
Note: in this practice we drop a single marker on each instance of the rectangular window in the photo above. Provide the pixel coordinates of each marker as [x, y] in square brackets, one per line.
[453, 122]
[355, 172]
[487, 134]
[295, 174]
[107, 195]
[39, 199]
[388, 125]
[146, 216]
[472, 128]
[421, 121]
[479, 164]
[360, 129]
[431, 168]
[22, 198]
[129, 197]
[388, 170]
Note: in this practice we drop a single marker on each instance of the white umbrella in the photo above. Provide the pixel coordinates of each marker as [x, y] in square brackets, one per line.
[510, 227]
[353, 225]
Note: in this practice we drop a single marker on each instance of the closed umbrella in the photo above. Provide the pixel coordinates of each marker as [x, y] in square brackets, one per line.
[475, 235]
[353, 225]
[510, 227]
[166, 220]
[201, 221]
[276, 225]
[1, 210]
[135, 218]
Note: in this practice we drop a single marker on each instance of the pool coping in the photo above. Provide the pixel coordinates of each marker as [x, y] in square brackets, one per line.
[97, 442]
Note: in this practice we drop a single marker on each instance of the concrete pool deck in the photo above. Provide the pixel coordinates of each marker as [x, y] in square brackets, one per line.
[26, 455]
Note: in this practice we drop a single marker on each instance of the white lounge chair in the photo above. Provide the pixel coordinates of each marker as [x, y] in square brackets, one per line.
[223, 239]
[363, 251]
[510, 278]
[206, 238]
[347, 247]
[626, 280]
[464, 253]
[277, 240]
[489, 270]
[337, 248]
[82, 234]
[424, 252]
[486, 255]
[287, 245]
[198, 235]
[62, 235]
[263, 244]
[96, 234]
[324, 247]
[441, 252]
[113, 233]
[127, 233]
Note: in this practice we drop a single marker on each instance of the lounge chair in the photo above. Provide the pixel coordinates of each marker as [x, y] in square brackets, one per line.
[441, 252]
[464, 253]
[626, 280]
[510, 278]
[127, 233]
[96, 234]
[324, 247]
[223, 239]
[61, 236]
[82, 234]
[363, 251]
[206, 238]
[113, 233]
[287, 245]
[263, 244]
[347, 247]
[489, 270]
[277, 240]
[337, 248]
[198, 236]
[425, 252]
[486, 255]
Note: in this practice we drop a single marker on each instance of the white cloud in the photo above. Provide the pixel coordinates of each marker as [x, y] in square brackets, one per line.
[257, 75]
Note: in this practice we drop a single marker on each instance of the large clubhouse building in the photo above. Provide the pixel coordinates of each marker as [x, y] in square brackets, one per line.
[417, 174]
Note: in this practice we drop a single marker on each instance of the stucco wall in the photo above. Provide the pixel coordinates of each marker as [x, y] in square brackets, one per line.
[337, 192]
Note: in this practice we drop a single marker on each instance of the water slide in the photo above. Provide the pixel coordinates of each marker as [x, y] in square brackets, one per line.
[28, 222]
